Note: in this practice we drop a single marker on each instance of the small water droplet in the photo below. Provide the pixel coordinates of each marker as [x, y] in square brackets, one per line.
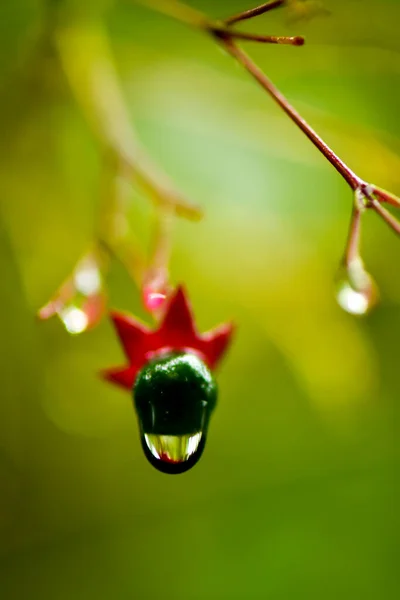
[81, 300]
[155, 292]
[74, 319]
[82, 312]
[356, 290]
[87, 277]
[355, 303]
[153, 301]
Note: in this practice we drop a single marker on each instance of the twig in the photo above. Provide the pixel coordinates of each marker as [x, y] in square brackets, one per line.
[223, 33]
[225, 39]
[85, 57]
[113, 231]
[254, 12]
[241, 57]
[386, 216]
[155, 284]
[194, 18]
[87, 62]
[352, 252]
[367, 196]
[89, 68]
[387, 197]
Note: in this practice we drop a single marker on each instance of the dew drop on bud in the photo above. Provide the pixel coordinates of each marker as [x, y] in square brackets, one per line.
[356, 290]
[153, 300]
[174, 396]
[82, 312]
[75, 319]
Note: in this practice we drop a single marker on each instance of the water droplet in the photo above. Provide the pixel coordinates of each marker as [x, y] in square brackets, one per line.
[74, 319]
[82, 312]
[174, 397]
[154, 293]
[153, 301]
[356, 290]
[355, 303]
[87, 277]
[173, 453]
[81, 300]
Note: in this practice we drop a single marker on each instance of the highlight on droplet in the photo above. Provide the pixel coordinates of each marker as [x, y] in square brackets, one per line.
[356, 291]
[75, 320]
[152, 300]
[353, 302]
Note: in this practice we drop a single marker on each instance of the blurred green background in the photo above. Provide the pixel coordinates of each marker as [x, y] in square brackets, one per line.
[295, 496]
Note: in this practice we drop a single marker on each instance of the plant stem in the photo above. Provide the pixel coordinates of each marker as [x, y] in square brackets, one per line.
[352, 251]
[253, 12]
[155, 285]
[386, 216]
[113, 231]
[297, 40]
[385, 196]
[87, 62]
[225, 38]
[350, 177]
[189, 16]
[183, 13]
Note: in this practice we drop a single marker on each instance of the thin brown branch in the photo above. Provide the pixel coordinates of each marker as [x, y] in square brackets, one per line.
[225, 38]
[369, 196]
[181, 12]
[386, 215]
[86, 58]
[253, 12]
[350, 177]
[223, 33]
[198, 20]
[385, 196]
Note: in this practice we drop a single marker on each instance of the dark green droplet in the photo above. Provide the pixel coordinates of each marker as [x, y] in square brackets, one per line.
[174, 397]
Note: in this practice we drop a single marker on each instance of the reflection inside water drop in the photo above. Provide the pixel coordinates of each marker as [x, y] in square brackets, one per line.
[172, 448]
[173, 454]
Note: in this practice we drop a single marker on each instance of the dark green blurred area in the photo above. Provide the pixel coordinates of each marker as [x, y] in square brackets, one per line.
[296, 494]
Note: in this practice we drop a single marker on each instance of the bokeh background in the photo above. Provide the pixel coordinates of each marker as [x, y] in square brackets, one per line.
[295, 496]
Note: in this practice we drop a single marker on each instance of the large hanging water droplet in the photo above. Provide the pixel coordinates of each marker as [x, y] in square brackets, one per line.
[174, 397]
[356, 290]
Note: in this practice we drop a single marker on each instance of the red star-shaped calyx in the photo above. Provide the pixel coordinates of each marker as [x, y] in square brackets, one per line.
[177, 332]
